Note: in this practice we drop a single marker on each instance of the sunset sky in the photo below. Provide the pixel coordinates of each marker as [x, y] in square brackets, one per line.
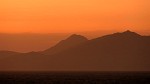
[56, 16]
[23, 21]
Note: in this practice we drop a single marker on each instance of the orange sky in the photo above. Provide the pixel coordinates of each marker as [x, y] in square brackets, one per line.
[50, 16]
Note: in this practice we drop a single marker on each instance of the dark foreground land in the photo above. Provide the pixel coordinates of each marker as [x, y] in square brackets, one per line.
[75, 78]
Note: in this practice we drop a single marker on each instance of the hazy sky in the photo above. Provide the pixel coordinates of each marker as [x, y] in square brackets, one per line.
[50, 16]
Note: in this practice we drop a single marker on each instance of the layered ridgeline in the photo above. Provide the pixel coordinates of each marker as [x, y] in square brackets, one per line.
[126, 51]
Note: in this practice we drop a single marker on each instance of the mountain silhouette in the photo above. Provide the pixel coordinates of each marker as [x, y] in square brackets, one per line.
[126, 51]
[63, 45]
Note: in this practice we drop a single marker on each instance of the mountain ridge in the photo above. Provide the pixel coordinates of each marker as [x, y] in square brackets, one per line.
[127, 51]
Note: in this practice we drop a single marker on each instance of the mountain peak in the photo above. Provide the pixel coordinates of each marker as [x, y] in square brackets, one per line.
[130, 33]
[125, 34]
[76, 37]
[70, 42]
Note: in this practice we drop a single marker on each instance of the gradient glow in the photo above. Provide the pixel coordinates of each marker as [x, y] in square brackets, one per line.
[50, 16]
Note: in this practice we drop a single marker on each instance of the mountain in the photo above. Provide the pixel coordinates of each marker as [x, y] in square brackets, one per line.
[126, 51]
[63, 45]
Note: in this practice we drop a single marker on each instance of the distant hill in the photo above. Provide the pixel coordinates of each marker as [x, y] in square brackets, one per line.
[70, 42]
[126, 51]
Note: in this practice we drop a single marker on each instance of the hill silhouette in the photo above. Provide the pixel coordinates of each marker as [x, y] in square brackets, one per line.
[126, 51]
[63, 45]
